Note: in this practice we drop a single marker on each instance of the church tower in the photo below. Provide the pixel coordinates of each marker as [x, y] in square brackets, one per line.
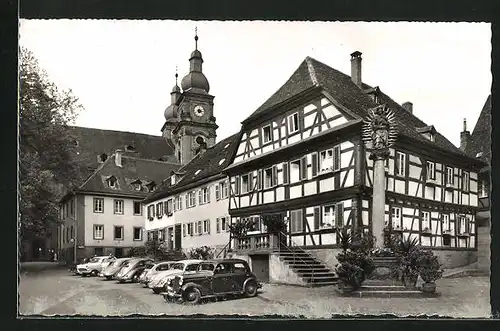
[189, 120]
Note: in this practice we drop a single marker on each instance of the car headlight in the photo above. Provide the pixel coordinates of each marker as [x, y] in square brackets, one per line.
[180, 281]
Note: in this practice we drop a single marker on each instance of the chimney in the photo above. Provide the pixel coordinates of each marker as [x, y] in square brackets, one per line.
[118, 157]
[356, 68]
[408, 106]
[464, 136]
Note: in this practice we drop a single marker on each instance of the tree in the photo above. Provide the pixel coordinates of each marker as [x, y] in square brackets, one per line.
[46, 168]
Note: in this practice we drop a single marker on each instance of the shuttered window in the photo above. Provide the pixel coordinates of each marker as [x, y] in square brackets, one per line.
[314, 164]
[303, 168]
[217, 192]
[286, 173]
[295, 171]
[317, 218]
[339, 216]
[275, 176]
[336, 158]
[400, 164]
[268, 178]
[237, 185]
[296, 221]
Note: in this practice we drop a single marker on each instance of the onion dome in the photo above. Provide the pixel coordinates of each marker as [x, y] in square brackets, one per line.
[171, 111]
[195, 79]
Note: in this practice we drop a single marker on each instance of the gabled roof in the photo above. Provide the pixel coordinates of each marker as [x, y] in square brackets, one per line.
[480, 139]
[90, 143]
[131, 170]
[205, 165]
[312, 73]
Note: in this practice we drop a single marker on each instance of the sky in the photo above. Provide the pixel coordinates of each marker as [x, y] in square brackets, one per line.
[123, 70]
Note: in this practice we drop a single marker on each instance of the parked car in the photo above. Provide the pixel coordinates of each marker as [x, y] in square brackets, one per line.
[94, 266]
[213, 279]
[72, 267]
[157, 284]
[148, 274]
[112, 269]
[133, 270]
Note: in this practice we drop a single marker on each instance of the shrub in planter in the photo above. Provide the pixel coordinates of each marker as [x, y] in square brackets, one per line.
[409, 264]
[275, 223]
[201, 253]
[239, 228]
[429, 269]
[350, 276]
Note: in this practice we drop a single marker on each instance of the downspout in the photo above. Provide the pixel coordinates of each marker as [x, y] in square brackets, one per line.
[76, 231]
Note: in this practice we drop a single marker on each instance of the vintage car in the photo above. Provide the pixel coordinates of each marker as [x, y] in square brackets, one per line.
[112, 269]
[94, 266]
[132, 270]
[213, 279]
[148, 274]
[72, 267]
[157, 284]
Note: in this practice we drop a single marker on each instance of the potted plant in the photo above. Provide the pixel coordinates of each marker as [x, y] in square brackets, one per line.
[350, 276]
[430, 270]
[408, 251]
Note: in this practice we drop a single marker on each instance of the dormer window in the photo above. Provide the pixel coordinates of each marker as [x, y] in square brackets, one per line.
[102, 158]
[151, 186]
[112, 181]
[137, 184]
[432, 137]
[221, 161]
[428, 132]
[129, 148]
[227, 145]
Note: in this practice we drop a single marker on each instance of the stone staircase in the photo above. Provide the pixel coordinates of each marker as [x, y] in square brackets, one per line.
[310, 270]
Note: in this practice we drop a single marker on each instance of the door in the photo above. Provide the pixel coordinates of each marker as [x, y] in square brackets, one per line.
[118, 252]
[260, 267]
[178, 237]
[170, 238]
[222, 281]
[241, 273]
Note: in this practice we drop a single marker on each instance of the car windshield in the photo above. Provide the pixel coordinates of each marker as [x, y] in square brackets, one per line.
[94, 260]
[178, 266]
[206, 266]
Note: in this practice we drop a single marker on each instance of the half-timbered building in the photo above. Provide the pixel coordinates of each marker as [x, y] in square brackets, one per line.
[478, 145]
[301, 155]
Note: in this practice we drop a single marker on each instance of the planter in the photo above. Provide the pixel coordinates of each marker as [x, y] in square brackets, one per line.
[429, 287]
[344, 287]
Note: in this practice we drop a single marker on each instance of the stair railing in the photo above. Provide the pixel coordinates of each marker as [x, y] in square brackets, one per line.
[293, 251]
[224, 250]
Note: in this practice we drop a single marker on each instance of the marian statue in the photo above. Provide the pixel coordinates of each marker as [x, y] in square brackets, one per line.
[379, 130]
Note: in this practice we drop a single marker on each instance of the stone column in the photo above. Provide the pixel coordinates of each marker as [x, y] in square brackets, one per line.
[378, 200]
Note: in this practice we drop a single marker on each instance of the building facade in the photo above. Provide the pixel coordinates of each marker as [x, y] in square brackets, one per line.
[301, 155]
[478, 145]
[190, 209]
[105, 215]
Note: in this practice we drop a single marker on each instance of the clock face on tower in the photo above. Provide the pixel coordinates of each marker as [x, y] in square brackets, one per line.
[199, 110]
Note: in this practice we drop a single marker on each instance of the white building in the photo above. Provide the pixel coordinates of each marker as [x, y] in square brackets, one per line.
[105, 215]
[190, 209]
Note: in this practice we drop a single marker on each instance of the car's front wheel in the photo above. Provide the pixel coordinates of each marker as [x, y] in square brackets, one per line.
[250, 289]
[94, 273]
[192, 296]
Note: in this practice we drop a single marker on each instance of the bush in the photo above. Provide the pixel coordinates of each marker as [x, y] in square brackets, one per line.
[201, 253]
[239, 228]
[428, 266]
[275, 223]
[139, 251]
[350, 274]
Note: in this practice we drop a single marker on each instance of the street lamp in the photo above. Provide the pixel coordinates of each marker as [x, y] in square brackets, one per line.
[73, 241]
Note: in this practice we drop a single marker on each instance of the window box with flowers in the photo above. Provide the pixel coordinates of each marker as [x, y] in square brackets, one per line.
[463, 235]
[426, 232]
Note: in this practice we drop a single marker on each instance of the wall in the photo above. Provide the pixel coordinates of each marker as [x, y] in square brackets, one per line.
[327, 256]
[454, 259]
[279, 272]
[128, 220]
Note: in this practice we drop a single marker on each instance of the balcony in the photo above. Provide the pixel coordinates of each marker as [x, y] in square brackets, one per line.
[260, 242]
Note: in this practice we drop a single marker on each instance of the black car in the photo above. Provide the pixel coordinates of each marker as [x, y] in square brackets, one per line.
[213, 279]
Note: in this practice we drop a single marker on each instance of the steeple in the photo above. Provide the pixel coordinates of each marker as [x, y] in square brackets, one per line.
[171, 111]
[195, 80]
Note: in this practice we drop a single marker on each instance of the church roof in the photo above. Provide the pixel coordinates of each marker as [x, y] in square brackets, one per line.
[202, 167]
[90, 143]
[132, 172]
[480, 139]
[312, 73]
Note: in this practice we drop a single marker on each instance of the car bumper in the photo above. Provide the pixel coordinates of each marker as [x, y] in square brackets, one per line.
[171, 295]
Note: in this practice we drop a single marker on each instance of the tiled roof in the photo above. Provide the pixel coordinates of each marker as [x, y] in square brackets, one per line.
[211, 162]
[312, 73]
[480, 139]
[93, 142]
[132, 169]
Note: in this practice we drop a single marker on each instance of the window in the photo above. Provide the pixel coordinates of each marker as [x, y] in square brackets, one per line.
[199, 229]
[204, 195]
[245, 183]
[206, 226]
[296, 221]
[483, 189]
[72, 232]
[293, 123]
[98, 231]
[432, 137]
[99, 251]
[255, 223]
[159, 209]
[268, 178]
[221, 190]
[326, 160]
[179, 202]
[151, 212]
[463, 225]
[396, 218]
[431, 170]
[240, 267]
[328, 216]
[266, 134]
[72, 207]
[446, 240]
[118, 235]
[191, 199]
[168, 207]
[449, 176]
[465, 181]
[445, 226]
[137, 208]
[222, 224]
[426, 220]
[112, 182]
[189, 228]
[295, 171]
[192, 267]
[98, 205]
[118, 206]
[137, 234]
[161, 235]
[400, 164]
